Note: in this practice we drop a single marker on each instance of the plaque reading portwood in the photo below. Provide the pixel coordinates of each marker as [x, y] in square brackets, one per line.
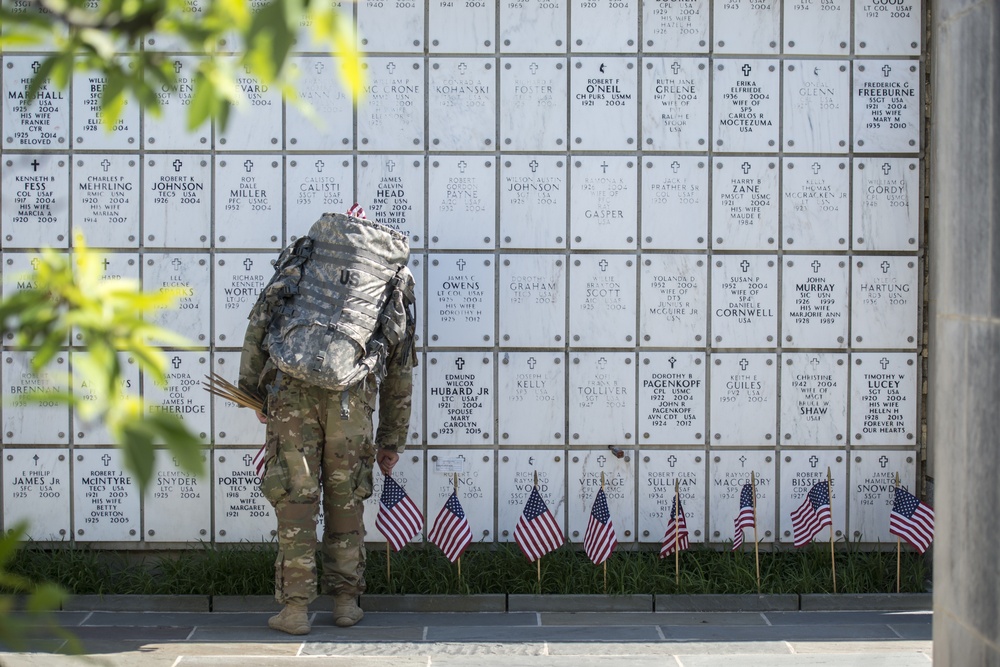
[873, 484]
[461, 202]
[883, 398]
[602, 207]
[254, 122]
[516, 476]
[603, 98]
[320, 85]
[42, 124]
[746, 104]
[187, 277]
[674, 202]
[887, 106]
[177, 203]
[532, 289]
[884, 302]
[800, 471]
[744, 301]
[462, 27]
[747, 26]
[460, 308]
[233, 424]
[178, 504]
[170, 131]
[106, 200]
[588, 472]
[90, 428]
[728, 472]
[818, 28]
[90, 130]
[602, 301]
[462, 104]
[604, 26]
[602, 398]
[248, 201]
[533, 202]
[886, 204]
[409, 474]
[675, 27]
[183, 396]
[533, 102]
[459, 398]
[29, 419]
[675, 104]
[241, 512]
[887, 28]
[315, 184]
[814, 301]
[817, 111]
[664, 474]
[531, 396]
[745, 203]
[391, 26]
[673, 300]
[105, 497]
[391, 189]
[813, 398]
[239, 278]
[35, 201]
[391, 111]
[475, 489]
[672, 398]
[814, 203]
[529, 27]
[743, 399]
[36, 490]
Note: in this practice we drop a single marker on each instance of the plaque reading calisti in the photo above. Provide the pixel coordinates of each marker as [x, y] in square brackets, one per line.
[602, 398]
[813, 398]
[531, 398]
[818, 28]
[30, 419]
[106, 500]
[659, 473]
[35, 201]
[315, 184]
[533, 101]
[887, 106]
[88, 430]
[675, 104]
[36, 490]
[532, 289]
[816, 108]
[672, 398]
[170, 130]
[814, 203]
[462, 104]
[873, 484]
[42, 124]
[527, 26]
[883, 398]
[887, 28]
[461, 27]
[462, 202]
[602, 301]
[604, 25]
[603, 203]
[391, 188]
[746, 103]
[319, 85]
[674, 202]
[727, 473]
[106, 200]
[745, 208]
[886, 204]
[177, 204]
[884, 302]
[586, 471]
[533, 202]
[460, 308]
[745, 301]
[814, 301]
[459, 397]
[241, 512]
[673, 300]
[248, 201]
[475, 491]
[177, 503]
[239, 278]
[675, 27]
[747, 26]
[516, 471]
[89, 128]
[187, 276]
[183, 396]
[391, 112]
[743, 399]
[409, 474]
[603, 98]
[391, 26]
[800, 471]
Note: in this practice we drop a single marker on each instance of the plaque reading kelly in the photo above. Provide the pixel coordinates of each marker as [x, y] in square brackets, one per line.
[814, 203]
[106, 200]
[531, 398]
[820, 28]
[409, 474]
[254, 122]
[884, 302]
[475, 488]
[602, 398]
[461, 202]
[177, 206]
[745, 301]
[459, 398]
[603, 203]
[660, 472]
[813, 398]
[604, 25]
[529, 26]
[886, 204]
[36, 490]
[391, 188]
[177, 503]
[675, 104]
[886, 106]
[90, 129]
[462, 104]
[532, 289]
[816, 109]
[883, 398]
[233, 424]
[315, 184]
[391, 26]
[887, 28]
[170, 130]
[460, 307]
[241, 512]
[747, 26]
[588, 472]
[42, 124]
[461, 27]
[239, 278]
[35, 201]
[603, 94]
[106, 499]
[248, 201]
[516, 470]
[873, 484]
[532, 202]
[319, 85]
[675, 27]
[814, 301]
[602, 301]
[728, 473]
[183, 396]
[674, 202]
[88, 428]
[391, 112]
[29, 418]
[745, 105]
[745, 210]
[672, 398]
[744, 399]
[187, 277]
[800, 471]
[673, 300]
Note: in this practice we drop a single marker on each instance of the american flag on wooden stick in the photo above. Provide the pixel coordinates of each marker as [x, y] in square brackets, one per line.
[398, 518]
[451, 531]
[812, 515]
[911, 520]
[537, 532]
[745, 519]
[600, 539]
[676, 536]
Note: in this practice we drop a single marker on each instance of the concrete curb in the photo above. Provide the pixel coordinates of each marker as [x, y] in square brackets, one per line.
[593, 603]
[137, 603]
[707, 602]
[866, 602]
[234, 603]
[435, 603]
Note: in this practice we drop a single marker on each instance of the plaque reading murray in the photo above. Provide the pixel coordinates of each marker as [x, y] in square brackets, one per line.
[391, 112]
[745, 301]
[460, 308]
[36, 489]
[532, 398]
[873, 483]
[602, 301]
[528, 26]
[44, 123]
[602, 398]
[816, 106]
[462, 104]
[170, 131]
[883, 398]
[316, 183]
[248, 201]
[89, 129]
[814, 203]
[886, 204]
[459, 398]
[675, 27]
[106, 502]
[604, 25]
[533, 103]
[532, 289]
[744, 399]
[177, 205]
[745, 209]
[603, 203]
[36, 194]
[674, 202]
[319, 86]
[814, 301]
[884, 302]
[747, 26]
[462, 202]
[588, 472]
[813, 398]
[533, 202]
[673, 300]
[887, 106]
[393, 187]
[728, 473]
[187, 276]
[800, 471]
[675, 104]
[818, 28]
[603, 98]
[659, 473]
[106, 200]
[672, 398]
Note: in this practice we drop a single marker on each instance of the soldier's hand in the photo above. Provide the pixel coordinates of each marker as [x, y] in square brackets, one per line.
[386, 459]
[261, 417]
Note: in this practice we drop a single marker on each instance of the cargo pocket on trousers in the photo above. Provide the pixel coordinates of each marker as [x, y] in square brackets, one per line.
[274, 481]
[363, 482]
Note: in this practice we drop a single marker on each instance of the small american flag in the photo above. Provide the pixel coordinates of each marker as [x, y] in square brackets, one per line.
[259, 460]
[357, 212]
[911, 520]
[812, 515]
[600, 540]
[398, 518]
[451, 531]
[537, 532]
[745, 519]
[677, 531]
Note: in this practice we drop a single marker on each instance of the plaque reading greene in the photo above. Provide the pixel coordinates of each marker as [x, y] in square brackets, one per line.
[675, 104]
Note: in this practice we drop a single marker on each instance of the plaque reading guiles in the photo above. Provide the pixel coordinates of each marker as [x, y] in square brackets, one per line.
[801, 470]
[460, 308]
[248, 201]
[240, 511]
[36, 490]
[41, 124]
[883, 398]
[887, 106]
[675, 27]
[461, 27]
[106, 200]
[886, 204]
[813, 398]
[747, 26]
[818, 28]
[660, 473]
[745, 207]
[409, 474]
[746, 105]
[814, 203]
[603, 98]
[744, 399]
[254, 122]
[673, 300]
[177, 503]
[887, 28]
[90, 129]
[475, 489]
[602, 398]
[604, 25]
[30, 418]
[744, 301]
[391, 189]
[814, 301]
[320, 85]
[816, 106]
[105, 497]
[459, 397]
[183, 396]
[177, 203]
[587, 470]
[391, 26]
[170, 131]
[239, 278]
[602, 301]
[461, 202]
[187, 277]
[531, 388]
[233, 424]
[315, 184]
[674, 202]
[391, 111]
[675, 104]
[533, 202]
[462, 104]
[516, 477]
[603, 203]
[529, 27]
[533, 101]
[884, 302]
[672, 398]
[532, 289]
[873, 484]
[35, 201]
[90, 428]
[728, 472]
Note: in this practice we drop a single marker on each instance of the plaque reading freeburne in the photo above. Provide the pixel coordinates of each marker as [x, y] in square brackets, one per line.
[884, 302]
[816, 110]
[527, 27]
[673, 300]
[674, 27]
[743, 399]
[106, 200]
[800, 471]
[460, 308]
[36, 489]
[515, 478]
[319, 86]
[532, 398]
[886, 106]
[476, 487]
[674, 202]
[821, 29]
[745, 210]
[675, 104]
[462, 104]
[745, 26]
[178, 504]
[602, 301]
[728, 472]
[391, 112]
[391, 188]
[604, 26]
[459, 398]
[248, 201]
[886, 204]
[241, 512]
[409, 474]
[814, 398]
[106, 500]
[532, 289]
[315, 184]
[883, 398]
[183, 395]
[533, 202]
[395, 26]
[745, 105]
[814, 301]
[603, 98]
[744, 301]
[659, 472]
[587, 469]
[814, 203]
[239, 278]
[873, 483]
[462, 202]
[603, 203]
[177, 203]
[533, 103]
[44, 123]
[672, 398]
[27, 420]
[602, 398]
[89, 128]
[170, 130]
[187, 275]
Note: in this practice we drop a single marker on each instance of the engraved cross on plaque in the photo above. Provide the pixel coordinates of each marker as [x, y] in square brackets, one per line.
[391, 66]
[175, 362]
[533, 165]
[743, 462]
[462, 67]
[178, 66]
[106, 263]
[390, 165]
[885, 266]
[248, 165]
[603, 264]
[247, 263]
[813, 461]
[320, 165]
[106, 460]
[745, 167]
[36, 164]
[462, 164]
[745, 265]
[459, 363]
[747, 69]
[604, 167]
[675, 166]
[177, 164]
[106, 163]
[883, 460]
[672, 460]
[247, 460]
[816, 265]
[460, 264]
[177, 262]
[601, 363]
[533, 67]
[744, 363]
[601, 460]
[884, 362]
[886, 70]
[35, 459]
[35, 66]
[676, 67]
[816, 167]
[671, 361]
[531, 363]
[886, 168]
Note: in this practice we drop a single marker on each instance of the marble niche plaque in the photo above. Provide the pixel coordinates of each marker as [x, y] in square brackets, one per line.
[602, 301]
[603, 212]
[814, 301]
[602, 398]
[234, 425]
[818, 28]
[674, 202]
[391, 189]
[516, 470]
[531, 388]
[887, 28]
[745, 203]
[533, 202]
[603, 98]
[316, 184]
[255, 120]
[465, 26]
[170, 130]
[533, 102]
[604, 25]
[36, 490]
[241, 512]
[672, 398]
[391, 112]
[884, 302]
[476, 488]
[409, 474]
[747, 26]
[814, 203]
[887, 106]
[248, 201]
[883, 398]
[239, 278]
[391, 26]
[117, 266]
[178, 505]
[183, 396]
[36, 194]
[745, 301]
[461, 202]
[462, 104]
[320, 85]
[53, 30]
[105, 497]
[744, 399]
[813, 398]
[873, 484]
[29, 419]
[660, 472]
[746, 105]
[460, 308]
[816, 106]
[177, 203]
[529, 26]
[106, 200]
[86, 429]
[727, 473]
[459, 398]
[800, 471]
[675, 104]
[886, 204]
[89, 129]
[532, 289]
[42, 124]
[675, 27]
[192, 10]
[188, 276]
[673, 300]
[585, 471]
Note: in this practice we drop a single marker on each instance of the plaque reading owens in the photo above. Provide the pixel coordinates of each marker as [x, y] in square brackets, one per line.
[183, 396]
[462, 104]
[248, 201]
[416, 434]
[814, 301]
[672, 398]
[727, 473]
[604, 25]
[35, 201]
[42, 124]
[86, 429]
[884, 302]
[883, 398]
[659, 472]
[873, 484]
[106, 200]
[409, 474]
[886, 106]
[800, 471]
[391, 26]
[887, 28]
[460, 398]
[820, 28]
[533, 102]
[391, 188]
[177, 504]
[36, 490]
[177, 206]
[602, 301]
[233, 424]
[461, 200]
[240, 512]
[28, 419]
[476, 488]
[239, 278]
[89, 129]
[675, 104]
[674, 202]
[461, 27]
[816, 108]
[187, 276]
[744, 399]
[315, 184]
[745, 106]
[192, 10]
[813, 398]
[105, 499]
[170, 130]
[586, 471]
[516, 477]
[602, 398]
[745, 210]
[673, 300]
[319, 85]
[460, 309]
[533, 202]
[886, 204]
[255, 119]
[532, 289]
[603, 94]
[814, 203]
[675, 27]
[745, 26]
[531, 398]
[528, 26]
[603, 212]
[745, 301]
[391, 112]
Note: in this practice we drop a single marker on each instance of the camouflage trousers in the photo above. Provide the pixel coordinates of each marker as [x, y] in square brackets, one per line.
[311, 449]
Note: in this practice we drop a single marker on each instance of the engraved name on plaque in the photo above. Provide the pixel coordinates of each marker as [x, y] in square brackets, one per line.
[675, 104]
[818, 28]
[462, 104]
[533, 101]
[533, 202]
[744, 399]
[675, 27]
[516, 471]
[319, 85]
[604, 25]
[816, 109]
[674, 202]
[391, 26]
[672, 398]
[528, 26]
[90, 129]
[183, 395]
[315, 184]
[177, 203]
[239, 278]
[814, 203]
[36, 490]
[745, 301]
[886, 204]
[240, 510]
[460, 309]
[409, 474]
[254, 122]
[587, 470]
[746, 105]
[459, 398]
[673, 300]
[391, 112]
[177, 503]
[603, 203]
[883, 398]
[248, 201]
[602, 301]
[745, 209]
[106, 200]
[88, 428]
[531, 398]
[659, 473]
[170, 131]
[887, 28]
[887, 106]
[42, 124]
[728, 472]
[36, 194]
[800, 471]
[233, 424]
[30, 418]
[532, 289]
[603, 98]
[475, 491]
[884, 302]
[106, 499]
[873, 484]
[601, 398]
[461, 27]
[813, 398]
[391, 188]
[187, 277]
[814, 305]
[461, 201]
[747, 26]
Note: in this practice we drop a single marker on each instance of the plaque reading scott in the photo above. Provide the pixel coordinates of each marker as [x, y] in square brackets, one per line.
[28, 418]
[814, 203]
[459, 398]
[883, 398]
[747, 26]
[745, 209]
[318, 183]
[460, 308]
[674, 202]
[533, 202]
[743, 399]
[35, 201]
[248, 201]
[887, 28]
[391, 112]
[89, 125]
[602, 398]
[745, 301]
[884, 302]
[106, 501]
[672, 398]
[391, 26]
[675, 27]
[673, 300]
[746, 105]
[461, 202]
[603, 203]
[532, 398]
[814, 301]
[239, 278]
[886, 204]
[319, 85]
[886, 106]
[813, 399]
[728, 473]
[602, 301]
[604, 25]
[234, 425]
[588, 472]
[177, 205]
[873, 483]
[603, 98]
[183, 396]
[241, 512]
[532, 289]
[800, 471]
[533, 101]
[170, 130]
[106, 200]
[393, 188]
[177, 504]
[465, 26]
[659, 473]
[475, 490]
[816, 109]
[527, 26]
[36, 489]
[516, 478]
[818, 28]
[187, 277]
[675, 104]
[462, 104]
[41, 124]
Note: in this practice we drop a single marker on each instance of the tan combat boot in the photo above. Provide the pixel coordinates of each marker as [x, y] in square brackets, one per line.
[293, 619]
[346, 611]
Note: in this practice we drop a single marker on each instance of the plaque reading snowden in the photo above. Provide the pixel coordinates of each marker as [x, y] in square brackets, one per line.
[533, 202]
[604, 25]
[36, 195]
[813, 398]
[884, 302]
[814, 301]
[533, 102]
[106, 502]
[873, 483]
[887, 28]
[177, 204]
[659, 473]
[602, 301]
[391, 26]
[675, 104]
[603, 99]
[233, 424]
[728, 473]
[29, 418]
[320, 86]
[603, 203]
[241, 512]
[886, 106]
[816, 109]
[459, 398]
[672, 398]
[516, 471]
[391, 112]
[820, 28]
[239, 278]
[391, 187]
[460, 309]
[747, 26]
[532, 289]
[461, 202]
[36, 490]
[531, 398]
[602, 398]
[177, 504]
[800, 471]
[743, 399]
[475, 487]
[314, 184]
[745, 301]
[461, 26]
[745, 209]
[814, 203]
[248, 201]
[588, 472]
[170, 130]
[187, 277]
[183, 395]
[746, 105]
[674, 202]
[462, 104]
[673, 300]
[106, 200]
[90, 130]
[675, 27]
[883, 398]
[528, 26]
[886, 204]
[43, 123]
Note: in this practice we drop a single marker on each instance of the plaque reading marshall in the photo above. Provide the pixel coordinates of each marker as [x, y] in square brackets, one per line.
[409, 474]
[659, 471]
[531, 398]
[602, 398]
[528, 26]
[675, 27]
[89, 128]
[28, 418]
[886, 106]
[316, 183]
[533, 102]
[745, 209]
[187, 276]
[887, 28]
[40, 125]
[672, 398]
[36, 490]
[391, 26]
[177, 205]
[391, 188]
[239, 278]
[675, 104]
[883, 398]
[673, 300]
[588, 472]
[873, 484]
[603, 203]
[744, 399]
[106, 200]
[674, 202]
[36, 195]
[532, 289]
[86, 429]
[476, 488]
[800, 471]
[460, 398]
[170, 130]
[462, 104]
[604, 25]
[177, 505]
[234, 425]
[532, 202]
[818, 28]
[248, 201]
[602, 301]
[886, 204]
[391, 112]
[747, 26]
[462, 202]
[603, 98]
[319, 86]
[884, 302]
[814, 301]
[516, 478]
[728, 473]
[814, 203]
[240, 511]
[460, 309]
[816, 109]
[814, 398]
[465, 26]
[106, 501]
[183, 395]
[745, 301]
[746, 105]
